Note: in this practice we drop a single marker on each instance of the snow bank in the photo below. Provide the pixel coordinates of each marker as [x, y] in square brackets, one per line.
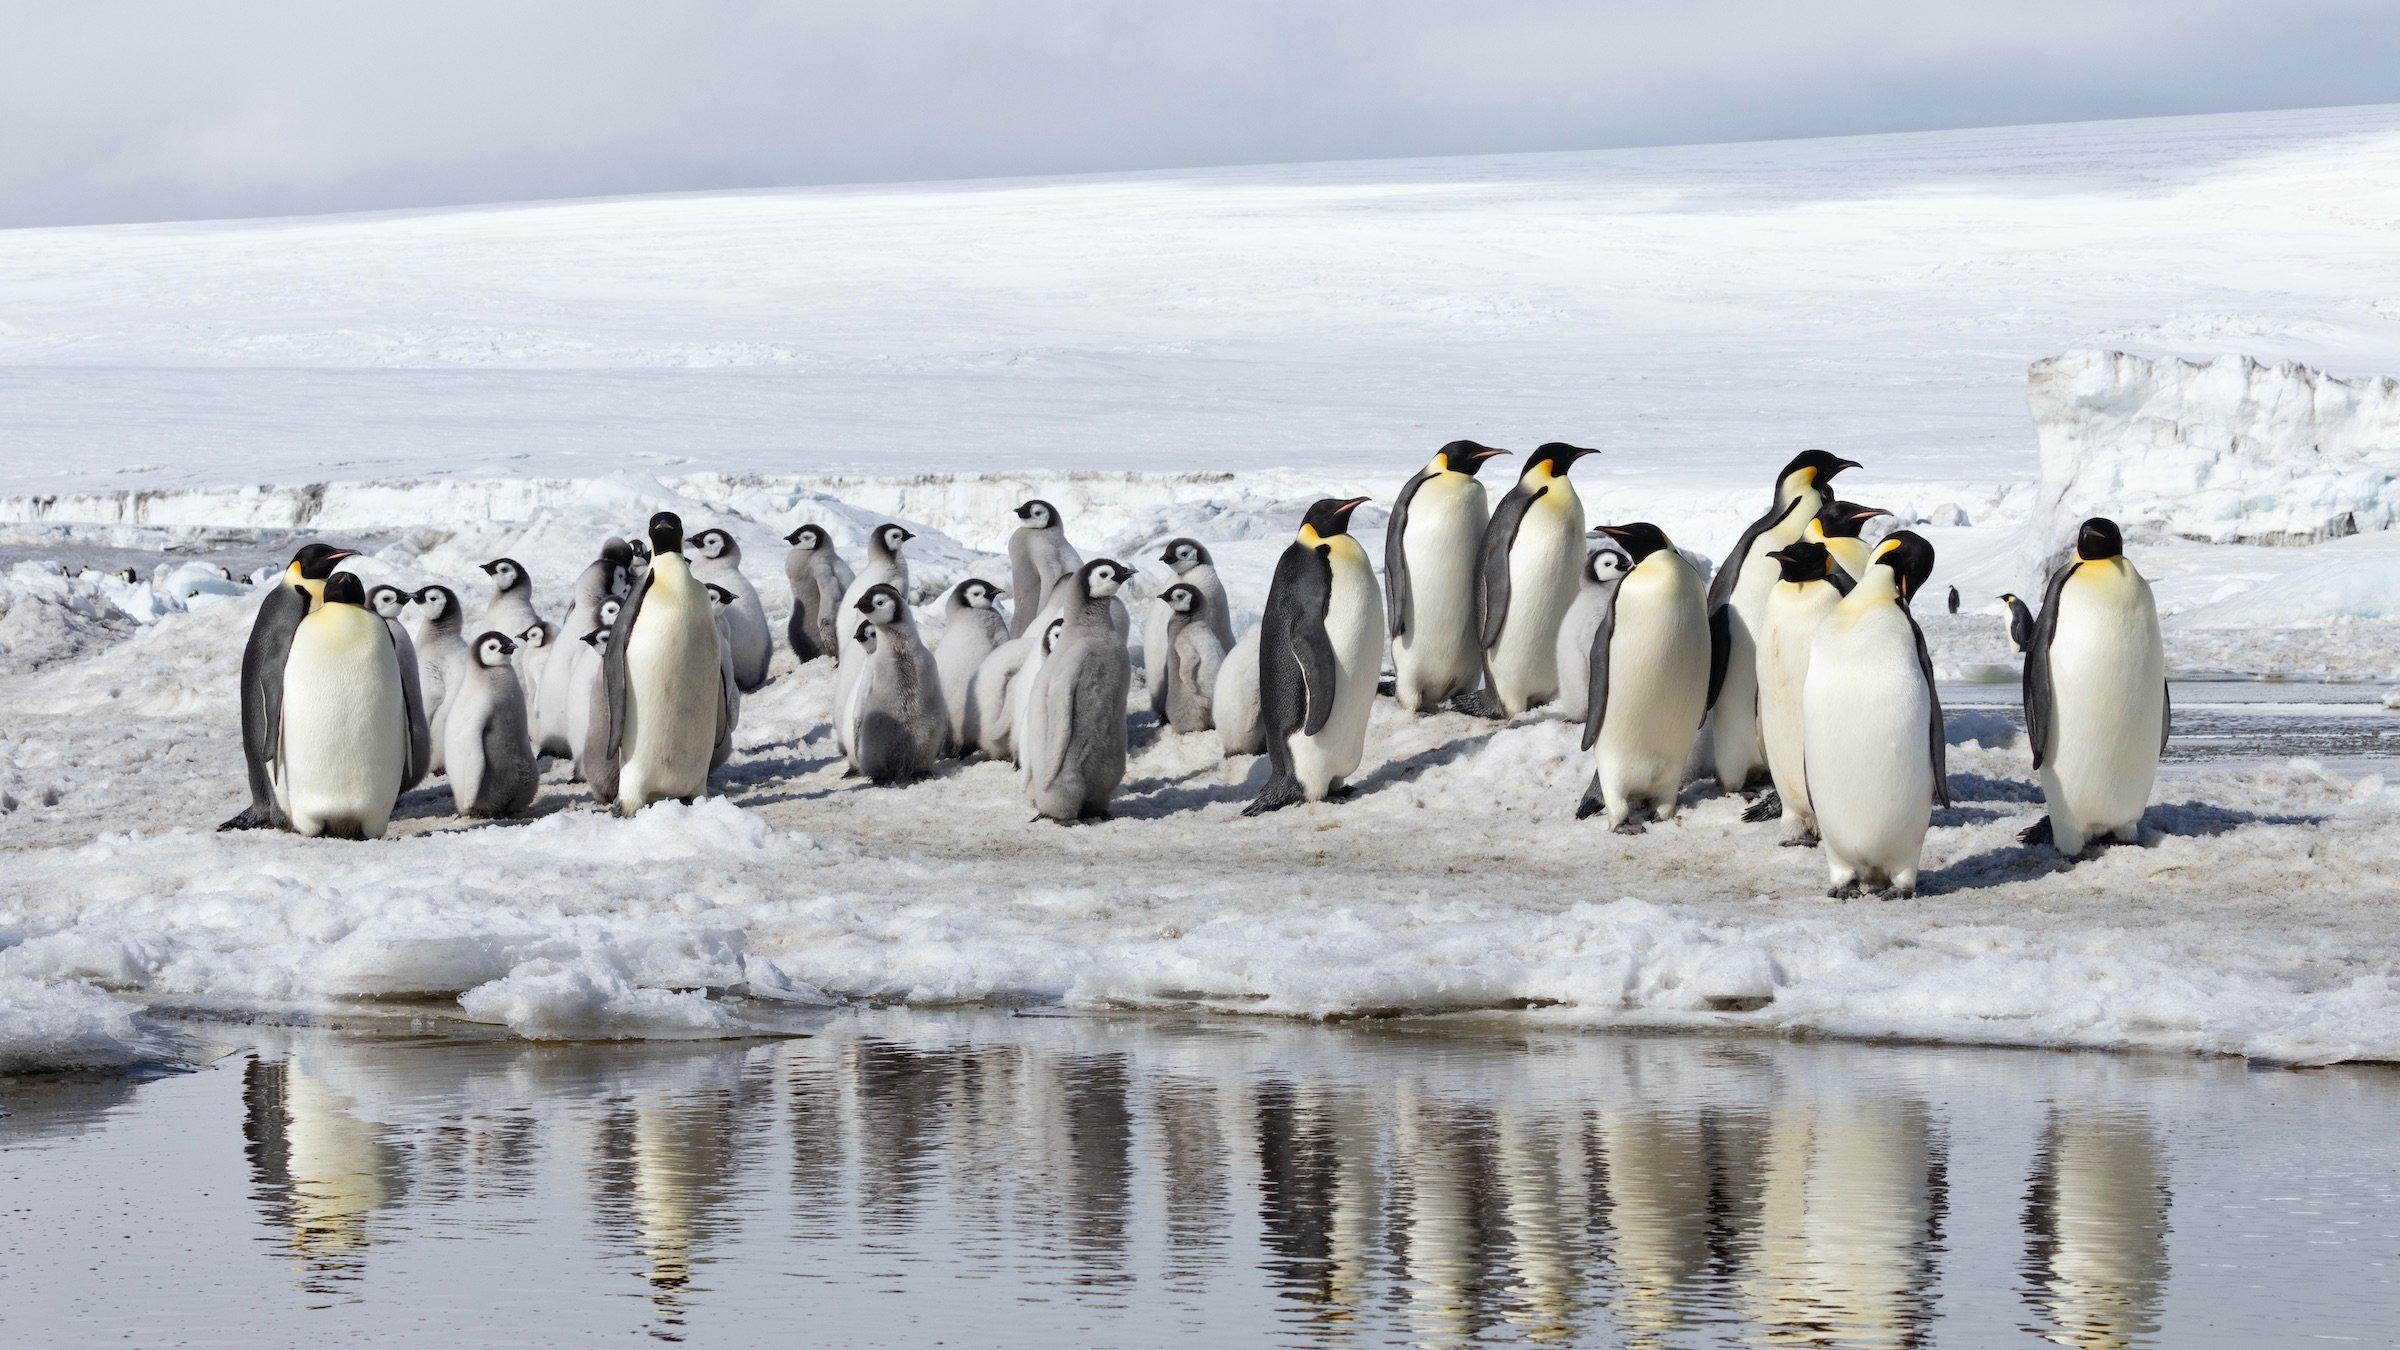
[2221, 451]
[49, 1027]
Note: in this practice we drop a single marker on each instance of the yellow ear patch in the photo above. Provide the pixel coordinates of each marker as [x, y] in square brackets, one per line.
[1813, 531]
[1886, 546]
[1309, 535]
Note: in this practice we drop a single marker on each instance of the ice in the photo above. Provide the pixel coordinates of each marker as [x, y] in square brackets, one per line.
[66, 1026]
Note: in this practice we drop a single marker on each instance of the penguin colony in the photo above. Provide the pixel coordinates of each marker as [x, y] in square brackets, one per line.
[1795, 675]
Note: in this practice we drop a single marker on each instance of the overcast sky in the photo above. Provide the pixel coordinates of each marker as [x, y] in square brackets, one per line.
[195, 108]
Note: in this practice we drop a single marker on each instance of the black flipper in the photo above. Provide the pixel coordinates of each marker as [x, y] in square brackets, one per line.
[601, 770]
[2166, 712]
[1595, 707]
[1396, 598]
[412, 720]
[1295, 665]
[1491, 564]
[1940, 746]
[1720, 654]
[1729, 572]
[263, 658]
[2039, 704]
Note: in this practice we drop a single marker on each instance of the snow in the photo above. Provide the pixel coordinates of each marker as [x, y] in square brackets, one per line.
[1203, 354]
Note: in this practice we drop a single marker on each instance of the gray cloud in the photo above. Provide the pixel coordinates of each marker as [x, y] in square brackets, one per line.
[216, 107]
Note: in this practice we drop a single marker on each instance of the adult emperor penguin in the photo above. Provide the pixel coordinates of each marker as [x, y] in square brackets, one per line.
[390, 604]
[1429, 558]
[818, 578]
[1038, 555]
[1526, 575]
[298, 590]
[1954, 599]
[897, 725]
[1188, 685]
[1190, 561]
[1838, 527]
[972, 629]
[886, 566]
[670, 711]
[490, 750]
[1653, 671]
[1737, 600]
[511, 608]
[1603, 568]
[720, 563]
[1871, 727]
[1073, 741]
[1320, 652]
[2020, 624]
[1808, 588]
[344, 741]
[441, 651]
[2096, 706]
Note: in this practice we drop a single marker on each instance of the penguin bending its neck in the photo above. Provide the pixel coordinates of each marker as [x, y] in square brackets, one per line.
[670, 710]
[1527, 574]
[300, 589]
[2096, 704]
[1319, 654]
[1737, 601]
[1871, 727]
[1429, 559]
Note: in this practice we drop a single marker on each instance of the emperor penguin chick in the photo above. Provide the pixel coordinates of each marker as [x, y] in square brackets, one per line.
[1038, 556]
[972, 629]
[1073, 743]
[1603, 568]
[897, 725]
[719, 563]
[490, 749]
[1191, 563]
[1194, 655]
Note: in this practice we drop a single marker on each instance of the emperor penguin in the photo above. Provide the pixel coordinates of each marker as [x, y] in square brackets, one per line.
[1189, 560]
[1838, 528]
[1241, 728]
[1320, 653]
[343, 740]
[885, 567]
[1073, 742]
[1430, 549]
[972, 629]
[511, 608]
[721, 607]
[1954, 599]
[1526, 575]
[300, 588]
[1194, 656]
[1808, 587]
[533, 648]
[441, 650]
[1652, 673]
[1871, 727]
[898, 728]
[2096, 704]
[551, 698]
[389, 603]
[589, 706]
[490, 750]
[1603, 568]
[1038, 556]
[991, 697]
[669, 720]
[2020, 624]
[720, 563]
[1737, 600]
[818, 578]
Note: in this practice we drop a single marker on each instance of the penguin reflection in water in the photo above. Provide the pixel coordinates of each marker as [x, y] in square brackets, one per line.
[1872, 726]
[345, 739]
[1653, 672]
[2096, 707]
[1320, 651]
[669, 716]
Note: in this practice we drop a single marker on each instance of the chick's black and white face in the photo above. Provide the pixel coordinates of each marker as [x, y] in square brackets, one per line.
[492, 650]
[893, 537]
[505, 574]
[719, 597]
[609, 610]
[386, 601]
[535, 636]
[811, 538]
[977, 595]
[1183, 555]
[1607, 565]
[1037, 515]
[435, 600]
[1106, 576]
[1183, 599]
[713, 543]
[1050, 635]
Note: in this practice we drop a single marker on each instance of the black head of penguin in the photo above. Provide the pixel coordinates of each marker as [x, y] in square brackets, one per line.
[610, 609]
[713, 543]
[1639, 539]
[386, 600]
[538, 635]
[666, 533]
[807, 536]
[597, 639]
[1468, 457]
[1184, 598]
[889, 538]
[1329, 518]
[1102, 576]
[1605, 564]
[344, 588]
[1844, 520]
[1556, 456]
[976, 593]
[1909, 556]
[1050, 635]
[317, 561]
[1803, 560]
[493, 648]
[640, 549]
[2099, 540]
[507, 571]
[719, 596]
[881, 603]
[438, 600]
[617, 551]
[1819, 467]
[1184, 554]
[1037, 514]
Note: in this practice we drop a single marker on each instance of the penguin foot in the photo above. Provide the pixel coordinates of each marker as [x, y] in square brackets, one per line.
[1273, 797]
[1808, 840]
[2036, 833]
[1767, 806]
[251, 818]
[1848, 890]
[1095, 818]
[1900, 893]
[1387, 687]
[1588, 808]
[1479, 704]
[1341, 792]
[1630, 825]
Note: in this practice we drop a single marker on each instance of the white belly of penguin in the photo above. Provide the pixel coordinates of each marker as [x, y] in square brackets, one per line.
[1544, 571]
[345, 733]
[672, 673]
[2108, 683]
[1736, 749]
[1438, 656]
[1865, 714]
[1657, 685]
[1354, 624]
[1792, 616]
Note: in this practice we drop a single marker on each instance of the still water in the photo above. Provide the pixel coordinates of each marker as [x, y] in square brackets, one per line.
[909, 1179]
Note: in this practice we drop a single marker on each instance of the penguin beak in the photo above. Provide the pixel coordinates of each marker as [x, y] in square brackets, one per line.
[1488, 452]
[490, 568]
[1351, 505]
[1616, 532]
[1838, 466]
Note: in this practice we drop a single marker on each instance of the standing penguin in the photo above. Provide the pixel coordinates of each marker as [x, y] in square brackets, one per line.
[992, 697]
[298, 590]
[389, 603]
[534, 649]
[1430, 550]
[1809, 587]
[511, 609]
[1038, 555]
[1194, 656]
[819, 578]
[1320, 651]
[589, 705]
[885, 567]
[1526, 576]
[441, 650]
[2096, 704]
[1603, 568]
[1871, 727]
[1954, 599]
[551, 699]
[1737, 601]
[1189, 560]
[1073, 745]
[1241, 727]
[2020, 624]
[972, 628]
[752, 642]
[490, 750]
[670, 711]
[1653, 673]
[344, 739]
[722, 607]
[1838, 527]
[897, 726]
